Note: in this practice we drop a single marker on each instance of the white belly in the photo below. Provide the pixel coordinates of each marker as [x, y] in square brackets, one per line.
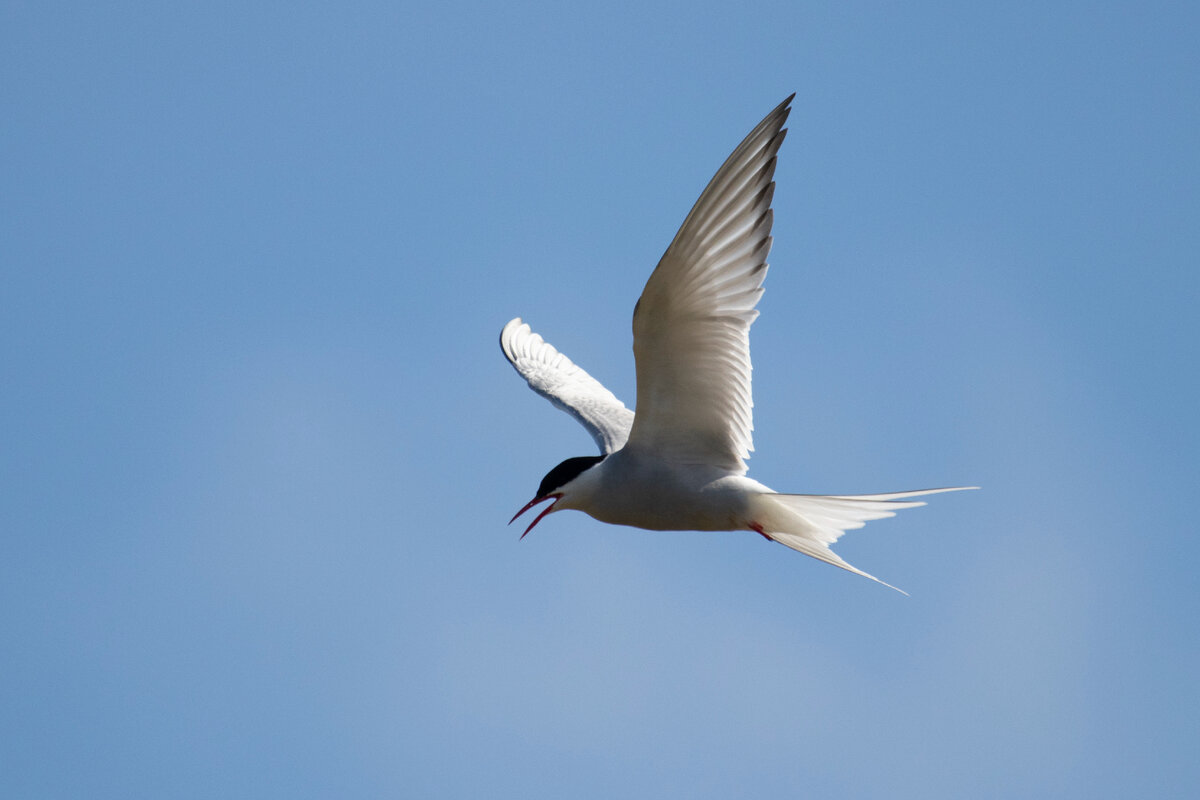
[647, 493]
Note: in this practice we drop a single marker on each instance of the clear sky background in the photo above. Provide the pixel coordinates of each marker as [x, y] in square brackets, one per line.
[259, 444]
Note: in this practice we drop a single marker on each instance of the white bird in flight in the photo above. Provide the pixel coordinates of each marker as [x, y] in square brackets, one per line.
[679, 462]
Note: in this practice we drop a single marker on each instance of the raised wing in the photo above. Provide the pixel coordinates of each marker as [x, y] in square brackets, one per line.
[556, 378]
[691, 327]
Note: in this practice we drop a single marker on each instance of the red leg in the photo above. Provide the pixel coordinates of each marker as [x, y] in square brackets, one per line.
[754, 526]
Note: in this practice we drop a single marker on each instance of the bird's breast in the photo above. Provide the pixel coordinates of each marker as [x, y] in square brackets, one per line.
[648, 493]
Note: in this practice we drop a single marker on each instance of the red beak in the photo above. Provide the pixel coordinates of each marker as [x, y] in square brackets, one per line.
[538, 518]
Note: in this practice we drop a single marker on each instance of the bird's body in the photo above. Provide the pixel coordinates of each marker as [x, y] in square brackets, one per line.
[637, 489]
[678, 463]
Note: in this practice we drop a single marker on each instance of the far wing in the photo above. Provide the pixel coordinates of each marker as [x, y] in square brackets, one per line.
[556, 378]
[691, 327]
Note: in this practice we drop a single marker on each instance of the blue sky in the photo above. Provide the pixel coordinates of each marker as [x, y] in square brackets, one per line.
[260, 445]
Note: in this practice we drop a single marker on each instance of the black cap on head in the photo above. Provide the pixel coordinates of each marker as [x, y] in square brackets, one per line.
[566, 472]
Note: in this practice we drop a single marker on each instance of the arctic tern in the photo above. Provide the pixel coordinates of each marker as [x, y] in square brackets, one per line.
[679, 462]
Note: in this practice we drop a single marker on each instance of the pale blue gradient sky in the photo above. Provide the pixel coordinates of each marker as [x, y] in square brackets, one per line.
[259, 442]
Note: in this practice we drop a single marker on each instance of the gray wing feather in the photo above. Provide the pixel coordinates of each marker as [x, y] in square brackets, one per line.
[691, 326]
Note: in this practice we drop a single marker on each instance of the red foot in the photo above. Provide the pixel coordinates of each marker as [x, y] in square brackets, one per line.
[754, 526]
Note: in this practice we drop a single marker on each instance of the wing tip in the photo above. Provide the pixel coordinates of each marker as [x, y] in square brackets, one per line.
[512, 335]
[782, 111]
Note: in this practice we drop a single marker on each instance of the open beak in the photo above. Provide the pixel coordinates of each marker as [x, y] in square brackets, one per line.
[531, 504]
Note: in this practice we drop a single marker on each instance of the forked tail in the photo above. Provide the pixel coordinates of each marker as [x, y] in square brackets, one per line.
[811, 523]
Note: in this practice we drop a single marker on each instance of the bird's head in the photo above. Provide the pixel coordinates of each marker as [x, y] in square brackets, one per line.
[558, 485]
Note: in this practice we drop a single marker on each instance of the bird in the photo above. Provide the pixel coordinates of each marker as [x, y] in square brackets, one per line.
[677, 461]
